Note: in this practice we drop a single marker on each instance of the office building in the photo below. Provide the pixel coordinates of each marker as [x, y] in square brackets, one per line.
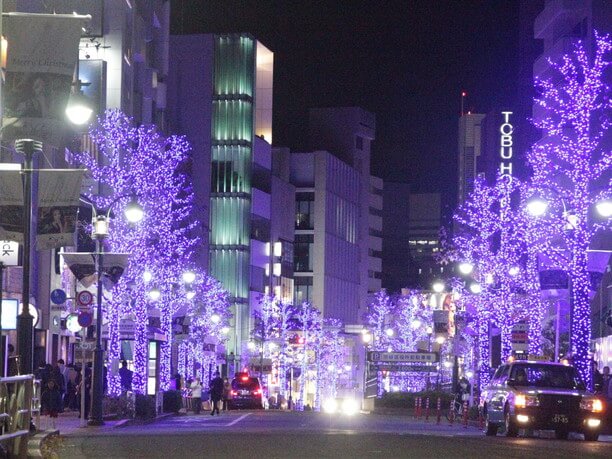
[220, 94]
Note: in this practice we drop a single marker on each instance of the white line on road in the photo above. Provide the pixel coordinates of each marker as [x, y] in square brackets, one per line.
[238, 419]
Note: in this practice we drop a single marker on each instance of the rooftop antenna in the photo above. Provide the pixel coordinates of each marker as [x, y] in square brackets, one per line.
[463, 96]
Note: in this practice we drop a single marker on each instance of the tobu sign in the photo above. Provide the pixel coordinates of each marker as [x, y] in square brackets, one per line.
[506, 131]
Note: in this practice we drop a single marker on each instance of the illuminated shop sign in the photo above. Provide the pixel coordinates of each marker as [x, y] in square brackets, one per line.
[505, 145]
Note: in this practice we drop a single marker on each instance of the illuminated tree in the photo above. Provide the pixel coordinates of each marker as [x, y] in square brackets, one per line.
[571, 169]
[377, 319]
[310, 326]
[138, 160]
[330, 358]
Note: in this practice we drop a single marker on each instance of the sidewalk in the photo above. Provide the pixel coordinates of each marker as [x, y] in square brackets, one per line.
[68, 423]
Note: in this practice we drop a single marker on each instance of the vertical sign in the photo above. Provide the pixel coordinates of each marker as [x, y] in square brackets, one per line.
[505, 145]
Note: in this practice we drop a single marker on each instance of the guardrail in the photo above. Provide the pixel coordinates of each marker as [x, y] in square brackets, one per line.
[19, 403]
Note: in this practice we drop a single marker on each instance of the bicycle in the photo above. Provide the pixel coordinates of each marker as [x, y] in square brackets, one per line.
[455, 411]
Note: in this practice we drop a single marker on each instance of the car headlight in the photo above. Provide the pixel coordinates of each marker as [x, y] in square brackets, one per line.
[524, 400]
[592, 404]
[330, 406]
[349, 406]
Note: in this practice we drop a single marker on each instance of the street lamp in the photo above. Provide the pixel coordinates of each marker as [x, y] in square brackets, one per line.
[25, 327]
[438, 287]
[466, 268]
[100, 232]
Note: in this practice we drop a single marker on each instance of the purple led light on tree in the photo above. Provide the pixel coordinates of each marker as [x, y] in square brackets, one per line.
[571, 167]
[139, 161]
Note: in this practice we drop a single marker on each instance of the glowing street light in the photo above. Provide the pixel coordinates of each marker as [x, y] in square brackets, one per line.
[466, 268]
[537, 207]
[438, 287]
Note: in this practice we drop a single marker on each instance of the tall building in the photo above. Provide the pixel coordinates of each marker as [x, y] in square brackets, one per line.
[396, 260]
[424, 222]
[333, 247]
[220, 94]
[123, 61]
[470, 150]
[375, 245]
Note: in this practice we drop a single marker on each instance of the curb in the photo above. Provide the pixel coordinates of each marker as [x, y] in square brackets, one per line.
[35, 442]
[139, 422]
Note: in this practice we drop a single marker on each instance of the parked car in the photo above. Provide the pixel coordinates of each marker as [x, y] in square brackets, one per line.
[246, 392]
[541, 396]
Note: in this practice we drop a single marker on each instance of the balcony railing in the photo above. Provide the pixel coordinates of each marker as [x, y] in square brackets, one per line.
[19, 402]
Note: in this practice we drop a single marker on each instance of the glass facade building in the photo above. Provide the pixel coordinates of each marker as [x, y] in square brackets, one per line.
[231, 165]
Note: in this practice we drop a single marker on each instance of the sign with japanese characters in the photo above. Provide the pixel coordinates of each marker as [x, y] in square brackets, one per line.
[404, 357]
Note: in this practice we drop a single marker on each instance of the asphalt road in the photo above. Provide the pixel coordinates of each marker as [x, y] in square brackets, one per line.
[269, 434]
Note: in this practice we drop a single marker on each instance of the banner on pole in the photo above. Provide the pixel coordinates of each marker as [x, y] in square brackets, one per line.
[42, 53]
[11, 206]
[58, 204]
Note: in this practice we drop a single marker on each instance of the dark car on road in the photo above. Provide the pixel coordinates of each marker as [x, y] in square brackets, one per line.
[246, 392]
[538, 395]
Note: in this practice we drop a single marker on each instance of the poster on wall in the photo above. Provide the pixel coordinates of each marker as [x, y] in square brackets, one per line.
[41, 57]
[11, 205]
[58, 203]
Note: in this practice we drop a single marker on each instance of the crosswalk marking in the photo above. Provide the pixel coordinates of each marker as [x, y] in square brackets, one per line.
[238, 419]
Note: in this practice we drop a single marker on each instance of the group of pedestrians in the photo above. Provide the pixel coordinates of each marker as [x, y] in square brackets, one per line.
[219, 390]
[61, 386]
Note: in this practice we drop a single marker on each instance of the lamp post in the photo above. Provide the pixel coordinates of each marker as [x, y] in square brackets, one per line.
[133, 213]
[25, 321]
[577, 234]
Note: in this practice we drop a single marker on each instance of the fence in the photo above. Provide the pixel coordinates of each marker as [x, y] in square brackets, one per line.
[19, 403]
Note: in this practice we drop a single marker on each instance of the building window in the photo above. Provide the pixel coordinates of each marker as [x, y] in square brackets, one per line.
[303, 252]
[302, 289]
[359, 142]
[304, 210]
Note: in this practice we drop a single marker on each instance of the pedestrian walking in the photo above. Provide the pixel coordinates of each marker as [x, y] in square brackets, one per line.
[216, 393]
[196, 395]
[227, 392]
[51, 400]
[125, 375]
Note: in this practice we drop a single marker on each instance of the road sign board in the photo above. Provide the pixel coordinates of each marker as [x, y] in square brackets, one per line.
[84, 350]
[58, 296]
[404, 368]
[85, 318]
[403, 357]
[84, 298]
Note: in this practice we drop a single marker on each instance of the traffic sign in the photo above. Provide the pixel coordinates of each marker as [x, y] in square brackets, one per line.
[58, 296]
[84, 350]
[403, 357]
[85, 318]
[84, 298]
[404, 368]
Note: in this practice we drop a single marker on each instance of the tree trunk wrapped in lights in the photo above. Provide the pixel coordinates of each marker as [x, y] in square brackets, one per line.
[571, 167]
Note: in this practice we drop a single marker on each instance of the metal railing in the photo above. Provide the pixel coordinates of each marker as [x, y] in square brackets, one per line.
[19, 403]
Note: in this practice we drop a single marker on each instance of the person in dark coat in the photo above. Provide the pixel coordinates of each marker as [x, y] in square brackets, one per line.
[216, 393]
[51, 400]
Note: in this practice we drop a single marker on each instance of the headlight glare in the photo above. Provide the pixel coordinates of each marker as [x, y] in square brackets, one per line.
[594, 405]
[524, 400]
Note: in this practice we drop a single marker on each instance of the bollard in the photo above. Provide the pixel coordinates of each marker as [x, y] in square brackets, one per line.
[427, 409]
[481, 421]
[465, 415]
[439, 411]
[419, 409]
[451, 416]
[416, 407]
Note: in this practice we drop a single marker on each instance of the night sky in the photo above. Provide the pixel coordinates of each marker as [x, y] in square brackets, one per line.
[406, 61]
